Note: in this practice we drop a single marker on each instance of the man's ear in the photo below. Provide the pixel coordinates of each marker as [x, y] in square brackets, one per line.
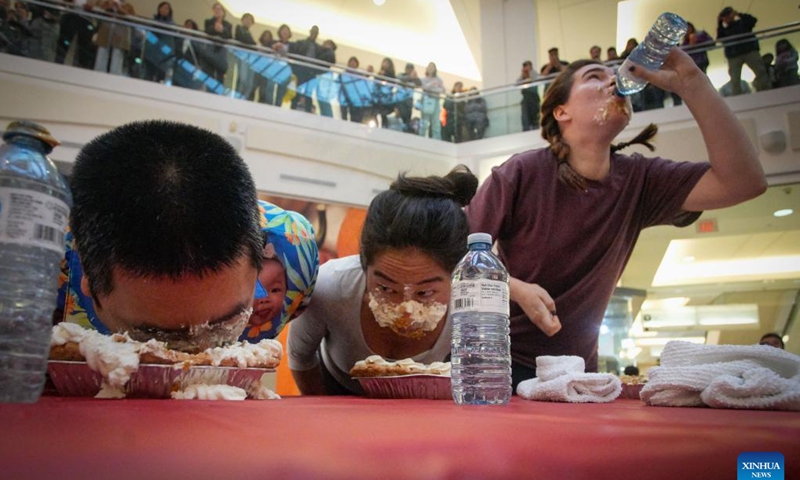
[85, 286]
[561, 115]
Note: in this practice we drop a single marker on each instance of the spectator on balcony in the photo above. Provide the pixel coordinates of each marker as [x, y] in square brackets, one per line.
[15, 33]
[530, 98]
[632, 44]
[246, 75]
[272, 72]
[454, 129]
[305, 73]
[267, 40]
[44, 33]
[769, 63]
[75, 35]
[405, 106]
[158, 65]
[188, 61]
[355, 92]
[266, 87]
[216, 63]
[611, 55]
[692, 38]
[595, 52]
[385, 91]
[433, 87]
[741, 50]
[773, 340]
[554, 64]
[113, 39]
[476, 115]
[283, 76]
[785, 64]
[327, 86]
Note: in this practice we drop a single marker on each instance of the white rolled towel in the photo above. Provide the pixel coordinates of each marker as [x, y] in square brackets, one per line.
[562, 379]
[724, 376]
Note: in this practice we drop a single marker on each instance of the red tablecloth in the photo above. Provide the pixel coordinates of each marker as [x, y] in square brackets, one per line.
[345, 437]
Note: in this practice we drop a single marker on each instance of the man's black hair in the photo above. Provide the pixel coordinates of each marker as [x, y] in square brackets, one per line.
[162, 199]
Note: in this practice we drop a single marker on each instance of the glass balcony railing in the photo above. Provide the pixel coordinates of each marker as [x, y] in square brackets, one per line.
[185, 57]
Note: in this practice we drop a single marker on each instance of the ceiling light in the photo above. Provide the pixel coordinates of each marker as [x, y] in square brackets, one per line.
[688, 259]
[784, 212]
[654, 342]
[664, 303]
[379, 2]
[721, 264]
[720, 317]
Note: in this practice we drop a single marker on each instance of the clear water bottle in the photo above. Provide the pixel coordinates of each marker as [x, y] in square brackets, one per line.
[34, 212]
[479, 310]
[666, 33]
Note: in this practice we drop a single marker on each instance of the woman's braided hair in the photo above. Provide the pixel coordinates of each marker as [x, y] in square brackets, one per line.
[558, 94]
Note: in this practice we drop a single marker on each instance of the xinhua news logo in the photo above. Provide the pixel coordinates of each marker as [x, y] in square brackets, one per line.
[760, 465]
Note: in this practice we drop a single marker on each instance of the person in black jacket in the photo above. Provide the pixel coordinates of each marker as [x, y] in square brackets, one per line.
[246, 76]
[216, 63]
[78, 31]
[326, 88]
[742, 48]
[305, 73]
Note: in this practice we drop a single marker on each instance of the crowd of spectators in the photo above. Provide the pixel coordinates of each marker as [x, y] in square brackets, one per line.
[299, 73]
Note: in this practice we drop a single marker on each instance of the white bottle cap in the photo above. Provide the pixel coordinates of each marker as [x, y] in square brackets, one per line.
[479, 238]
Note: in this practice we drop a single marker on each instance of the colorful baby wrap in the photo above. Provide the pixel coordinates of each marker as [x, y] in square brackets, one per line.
[289, 239]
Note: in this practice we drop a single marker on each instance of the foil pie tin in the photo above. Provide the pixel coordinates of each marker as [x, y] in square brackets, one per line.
[434, 387]
[76, 379]
[631, 390]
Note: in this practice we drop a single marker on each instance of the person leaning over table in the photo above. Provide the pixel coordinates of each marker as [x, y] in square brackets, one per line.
[566, 217]
[392, 299]
[167, 237]
[773, 340]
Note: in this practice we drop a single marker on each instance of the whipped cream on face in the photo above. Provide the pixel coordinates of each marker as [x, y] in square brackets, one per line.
[602, 113]
[409, 318]
[200, 336]
[210, 392]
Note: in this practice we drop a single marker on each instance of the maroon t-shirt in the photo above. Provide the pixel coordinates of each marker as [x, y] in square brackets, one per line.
[575, 244]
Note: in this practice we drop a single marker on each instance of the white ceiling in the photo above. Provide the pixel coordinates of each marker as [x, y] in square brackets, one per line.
[417, 31]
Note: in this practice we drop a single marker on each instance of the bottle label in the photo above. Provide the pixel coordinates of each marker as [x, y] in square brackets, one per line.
[32, 219]
[484, 296]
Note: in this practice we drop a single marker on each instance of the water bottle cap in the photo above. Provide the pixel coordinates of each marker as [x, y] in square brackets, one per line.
[31, 129]
[479, 238]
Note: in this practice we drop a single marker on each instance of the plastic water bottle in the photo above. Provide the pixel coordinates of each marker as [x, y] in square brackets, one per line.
[479, 309]
[666, 33]
[34, 212]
